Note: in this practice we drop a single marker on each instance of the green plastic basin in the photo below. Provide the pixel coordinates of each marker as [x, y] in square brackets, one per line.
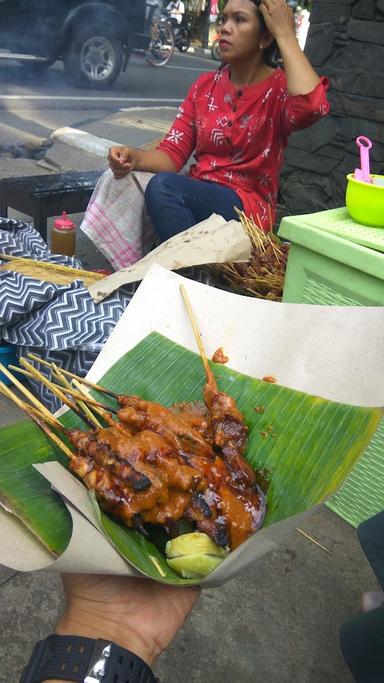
[365, 201]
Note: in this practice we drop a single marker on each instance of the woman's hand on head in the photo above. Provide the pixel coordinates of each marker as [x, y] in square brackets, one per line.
[141, 615]
[122, 160]
[278, 18]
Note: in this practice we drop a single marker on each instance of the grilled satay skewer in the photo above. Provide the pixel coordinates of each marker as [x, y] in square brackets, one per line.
[42, 413]
[230, 432]
[120, 493]
[105, 485]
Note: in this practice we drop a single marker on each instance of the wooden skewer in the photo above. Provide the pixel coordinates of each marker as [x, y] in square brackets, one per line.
[56, 390]
[81, 393]
[260, 226]
[50, 420]
[196, 332]
[303, 533]
[103, 411]
[68, 390]
[55, 267]
[157, 564]
[81, 403]
[97, 387]
[24, 390]
[39, 420]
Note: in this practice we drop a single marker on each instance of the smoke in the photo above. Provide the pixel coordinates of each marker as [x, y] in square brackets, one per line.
[28, 150]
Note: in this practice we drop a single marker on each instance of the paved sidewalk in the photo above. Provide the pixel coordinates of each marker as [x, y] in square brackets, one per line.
[277, 623]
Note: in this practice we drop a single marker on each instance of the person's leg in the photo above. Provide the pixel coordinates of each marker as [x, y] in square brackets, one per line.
[362, 637]
[176, 202]
[149, 13]
[362, 645]
[371, 537]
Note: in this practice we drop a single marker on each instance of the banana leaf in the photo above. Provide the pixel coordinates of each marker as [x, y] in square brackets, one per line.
[305, 445]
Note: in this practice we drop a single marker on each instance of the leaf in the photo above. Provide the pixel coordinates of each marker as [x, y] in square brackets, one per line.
[25, 492]
[140, 552]
[307, 444]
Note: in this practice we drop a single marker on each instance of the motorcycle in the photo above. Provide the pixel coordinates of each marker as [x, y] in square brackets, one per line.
[181, 32]
[182, 38]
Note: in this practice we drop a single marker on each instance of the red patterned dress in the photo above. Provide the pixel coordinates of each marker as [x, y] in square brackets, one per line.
[238, 134]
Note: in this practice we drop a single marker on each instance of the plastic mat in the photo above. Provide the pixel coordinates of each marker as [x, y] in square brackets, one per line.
[339, 222]
[362, 494]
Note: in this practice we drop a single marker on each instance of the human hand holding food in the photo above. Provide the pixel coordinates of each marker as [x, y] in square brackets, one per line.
[142, 616]
[122, 160]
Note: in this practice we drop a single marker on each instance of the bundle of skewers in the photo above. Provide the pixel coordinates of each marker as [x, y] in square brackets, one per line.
[263, 275]
[153, 465]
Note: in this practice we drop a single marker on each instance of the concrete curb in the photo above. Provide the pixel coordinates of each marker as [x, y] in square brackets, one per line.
[199, 50]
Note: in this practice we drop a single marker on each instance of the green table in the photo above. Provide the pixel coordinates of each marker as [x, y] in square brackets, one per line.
[336, 262]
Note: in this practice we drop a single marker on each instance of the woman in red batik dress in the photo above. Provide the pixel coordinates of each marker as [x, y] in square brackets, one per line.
[236, 121]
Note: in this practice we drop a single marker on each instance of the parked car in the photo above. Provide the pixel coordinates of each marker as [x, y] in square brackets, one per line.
[94, 38]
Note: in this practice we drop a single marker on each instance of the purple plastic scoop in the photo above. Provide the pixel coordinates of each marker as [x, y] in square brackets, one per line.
[363, 173]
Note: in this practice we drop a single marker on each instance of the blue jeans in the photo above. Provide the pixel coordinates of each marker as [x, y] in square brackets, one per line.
[176, 202]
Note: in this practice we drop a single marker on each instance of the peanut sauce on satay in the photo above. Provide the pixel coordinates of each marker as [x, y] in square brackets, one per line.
[160, 464]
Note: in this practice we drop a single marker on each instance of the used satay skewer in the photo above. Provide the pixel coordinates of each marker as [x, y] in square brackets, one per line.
[67, 373]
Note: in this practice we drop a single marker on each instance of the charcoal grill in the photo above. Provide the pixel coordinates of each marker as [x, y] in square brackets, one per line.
[47, 195]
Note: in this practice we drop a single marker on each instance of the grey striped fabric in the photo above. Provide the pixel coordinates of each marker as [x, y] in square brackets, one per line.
[59, 323]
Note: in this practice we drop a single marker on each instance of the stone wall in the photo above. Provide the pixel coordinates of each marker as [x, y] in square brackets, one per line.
[346, 43]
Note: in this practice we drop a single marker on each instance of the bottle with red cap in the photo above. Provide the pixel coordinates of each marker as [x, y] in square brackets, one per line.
[63, 236]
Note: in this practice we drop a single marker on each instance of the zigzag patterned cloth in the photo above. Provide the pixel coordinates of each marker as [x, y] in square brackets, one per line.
[59, 323]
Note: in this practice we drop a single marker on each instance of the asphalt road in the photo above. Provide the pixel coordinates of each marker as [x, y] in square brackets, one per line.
[34, 105]
[140, 82]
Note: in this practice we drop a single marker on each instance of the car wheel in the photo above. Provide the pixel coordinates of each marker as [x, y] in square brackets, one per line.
[94, 57]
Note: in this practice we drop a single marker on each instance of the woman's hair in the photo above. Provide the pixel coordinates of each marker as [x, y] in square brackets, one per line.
[271, 53]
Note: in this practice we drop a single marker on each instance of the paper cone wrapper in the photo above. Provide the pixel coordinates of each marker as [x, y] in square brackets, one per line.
[211, 241]
[332, 352]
